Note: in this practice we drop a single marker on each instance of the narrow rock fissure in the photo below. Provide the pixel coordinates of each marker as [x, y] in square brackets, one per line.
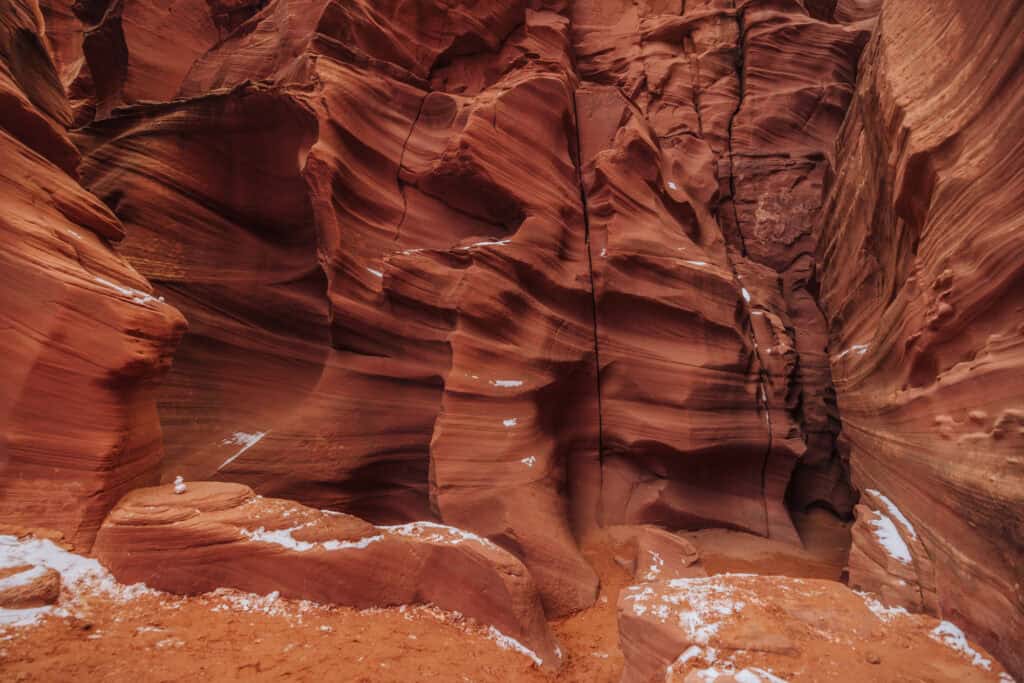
[401, 163]
[590, 271]
[741, 84]
[762, 372]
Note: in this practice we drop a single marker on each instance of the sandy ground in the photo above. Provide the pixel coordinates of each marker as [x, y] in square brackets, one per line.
[232, 637]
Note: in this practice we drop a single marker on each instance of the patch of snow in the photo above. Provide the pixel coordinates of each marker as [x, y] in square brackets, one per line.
[433, 532]
[746, 294]
[889, 537]
[285, 539]
[529, 461]
[599, 655]
[697, 263]
[752, 674]
[861, 349]
[507, 382]
[491, 243]
[509, 643]
[510, 422]
[699, 606]
[22, 578]
[950, 635]
[673, 185]
[179, 485]
[604, 252]
[74, 234]
[243, 439]
[375, 273]
[79, 575]
[170, 642]
[657, 564]
[137, 296]
[895, 512]
[28, 616]
[1006, 678]
[884, 613]
[348, 545]
[149, 629]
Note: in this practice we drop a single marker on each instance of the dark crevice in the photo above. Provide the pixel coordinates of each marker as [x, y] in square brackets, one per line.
[590, 271]
[401, 162]
[740, 68]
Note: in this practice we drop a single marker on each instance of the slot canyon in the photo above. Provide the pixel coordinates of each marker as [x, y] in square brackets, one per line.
[512, 340]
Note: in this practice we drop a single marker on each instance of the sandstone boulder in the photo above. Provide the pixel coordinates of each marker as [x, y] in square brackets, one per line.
[28, 586]
[213, 535]
[747, 628]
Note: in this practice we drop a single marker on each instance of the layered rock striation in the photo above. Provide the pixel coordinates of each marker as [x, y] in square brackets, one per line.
[84, 337]
[920, 243]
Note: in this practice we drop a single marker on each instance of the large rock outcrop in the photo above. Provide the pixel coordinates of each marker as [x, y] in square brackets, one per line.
[922, 251]
[198, 537]
[84, 337]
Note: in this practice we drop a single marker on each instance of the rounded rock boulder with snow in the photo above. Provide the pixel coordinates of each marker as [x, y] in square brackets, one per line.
[27, 586]
[212, 535]
[747, 628]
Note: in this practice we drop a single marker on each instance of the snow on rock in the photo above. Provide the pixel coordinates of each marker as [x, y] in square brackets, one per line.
[860, 349]
[895, 512]
[244, 439]
[529, 461]
[136, 295]
[889, 537]
[285, 539]
[697, 606]
[432, 532]
[179, 485]
[884, 613]
[951, 635]
[509, 643]
[79, 576]
[510, 422]
[507, 383]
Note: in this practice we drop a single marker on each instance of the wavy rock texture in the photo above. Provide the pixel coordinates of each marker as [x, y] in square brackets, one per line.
[447, 279]
[386, 280]
[213, 535]
[701, 135]
[84, 338]
[921, 246]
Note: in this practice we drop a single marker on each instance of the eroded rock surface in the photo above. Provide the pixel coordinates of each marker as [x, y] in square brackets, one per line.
[512, 266]
[922, 253]
[84, 336]
[202, 536]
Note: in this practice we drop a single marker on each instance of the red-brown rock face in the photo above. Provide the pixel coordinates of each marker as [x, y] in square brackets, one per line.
[83, 336]
[528, 268]
[483, 265]
[701, 133]
[922, 250]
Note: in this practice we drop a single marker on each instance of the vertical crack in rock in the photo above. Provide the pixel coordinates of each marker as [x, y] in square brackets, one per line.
[741, 85]
[578, 158]
[762, 372]
[401, 161]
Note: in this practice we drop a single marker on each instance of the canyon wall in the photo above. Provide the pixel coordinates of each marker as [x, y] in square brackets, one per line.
[923, 261]
[82, 335]
[528, 268]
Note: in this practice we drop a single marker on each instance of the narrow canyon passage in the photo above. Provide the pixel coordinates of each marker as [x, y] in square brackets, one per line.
[525, 310]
